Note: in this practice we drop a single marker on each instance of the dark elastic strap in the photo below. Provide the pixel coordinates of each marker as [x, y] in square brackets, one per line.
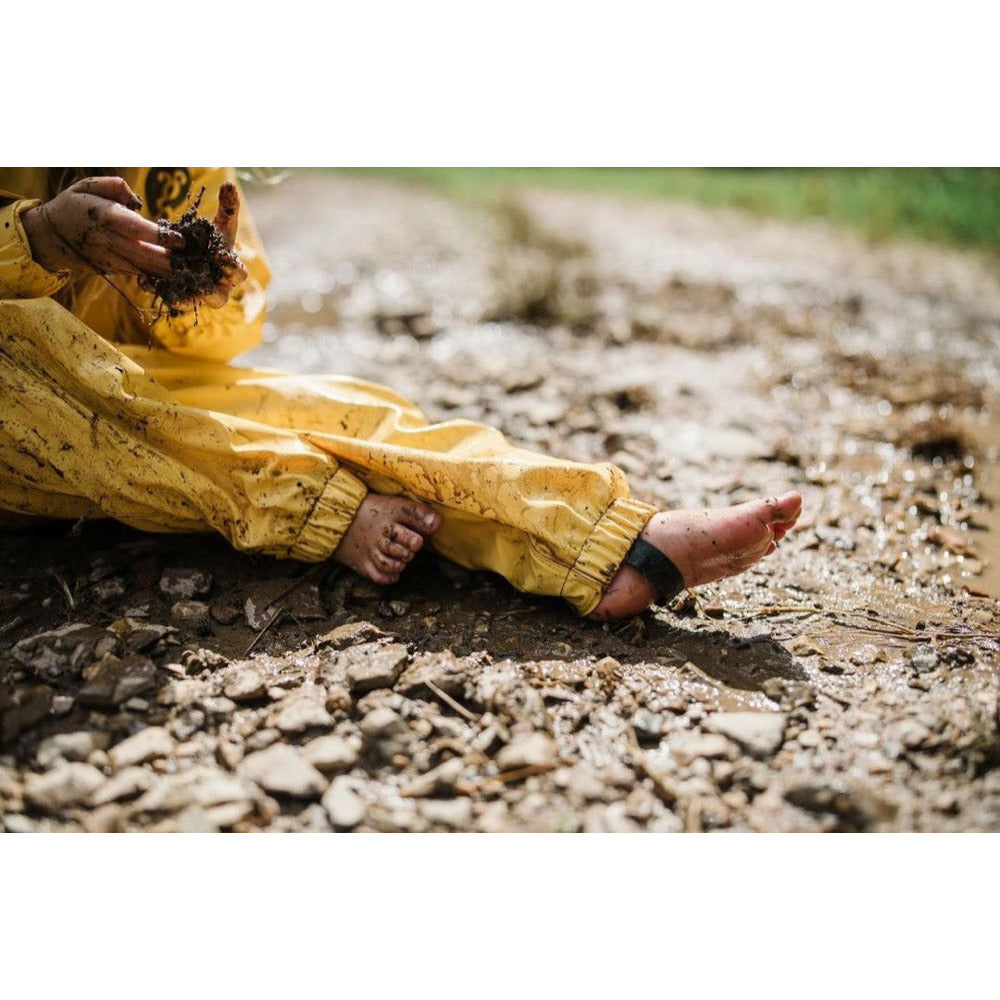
[656, 568]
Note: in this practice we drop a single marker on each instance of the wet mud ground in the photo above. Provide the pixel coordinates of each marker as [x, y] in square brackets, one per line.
[848, 682]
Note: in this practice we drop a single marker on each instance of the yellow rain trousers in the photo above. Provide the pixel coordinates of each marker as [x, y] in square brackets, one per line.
[108, 410]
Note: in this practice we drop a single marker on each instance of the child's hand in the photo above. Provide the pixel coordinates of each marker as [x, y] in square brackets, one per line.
[92, 225]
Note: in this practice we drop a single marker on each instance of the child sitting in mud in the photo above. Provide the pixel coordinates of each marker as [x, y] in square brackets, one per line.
[118, 401]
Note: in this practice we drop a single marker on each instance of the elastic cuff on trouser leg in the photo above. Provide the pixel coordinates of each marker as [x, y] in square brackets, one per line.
[330, 517]
[603, 552]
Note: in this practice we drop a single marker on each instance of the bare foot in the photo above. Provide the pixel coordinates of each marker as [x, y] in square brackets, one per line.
[705, 545]
[386, 533]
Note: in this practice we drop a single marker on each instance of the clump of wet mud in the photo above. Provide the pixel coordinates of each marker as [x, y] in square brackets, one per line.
[197, 268]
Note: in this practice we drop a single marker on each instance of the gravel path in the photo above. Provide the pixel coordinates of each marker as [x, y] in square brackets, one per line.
[847, 683]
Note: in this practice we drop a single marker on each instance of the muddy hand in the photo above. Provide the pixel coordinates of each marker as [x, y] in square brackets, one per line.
[93, 225]
[227, 221]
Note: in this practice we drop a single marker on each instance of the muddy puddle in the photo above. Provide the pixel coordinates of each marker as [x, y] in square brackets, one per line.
[849, 682]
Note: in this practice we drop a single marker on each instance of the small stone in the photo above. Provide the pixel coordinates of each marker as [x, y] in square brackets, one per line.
[299, 714]
[154, 741]
[350, 634]
[280, 770]
[382, 723]
[70, 746]
[62, 703]
[262, 739]
[184, 727]
[224, 613]
[648, 727]
[245, 684]
[15, 823]
[438, 781]
[137, 705]
[190, 612]
[184, 584]
[65, 650]
[330, 754]
[690, 748]
[127, 783]
[218, 708]
[758, 733]
[114, 680]
[343, 805]
[109, 818]
[399, 608]
[66, 785]
[230, 754]
[534, 749]
[181, 693]
[371, 666]
[453, 813]
[924, 659]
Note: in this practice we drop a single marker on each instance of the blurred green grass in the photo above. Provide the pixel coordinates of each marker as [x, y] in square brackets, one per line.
[955, 205]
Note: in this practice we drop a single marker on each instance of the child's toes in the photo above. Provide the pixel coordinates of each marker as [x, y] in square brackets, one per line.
[387, 564]
[420, 517]
[397, 550]
[413, 540]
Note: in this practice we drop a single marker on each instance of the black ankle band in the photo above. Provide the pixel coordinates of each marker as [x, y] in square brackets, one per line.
[656, 568]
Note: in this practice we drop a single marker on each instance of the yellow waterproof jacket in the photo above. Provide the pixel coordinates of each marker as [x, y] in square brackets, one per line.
[128, 315]
[98, 420]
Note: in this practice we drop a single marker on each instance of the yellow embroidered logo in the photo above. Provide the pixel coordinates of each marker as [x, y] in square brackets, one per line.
[166, 188]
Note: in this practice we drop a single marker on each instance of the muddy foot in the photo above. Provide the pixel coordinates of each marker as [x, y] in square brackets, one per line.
[705, 545]
[386, 533]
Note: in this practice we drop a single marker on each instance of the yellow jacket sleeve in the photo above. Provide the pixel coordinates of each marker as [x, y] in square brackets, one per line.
[20, 276]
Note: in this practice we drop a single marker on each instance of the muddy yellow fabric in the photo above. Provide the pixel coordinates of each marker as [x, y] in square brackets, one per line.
[177, 440]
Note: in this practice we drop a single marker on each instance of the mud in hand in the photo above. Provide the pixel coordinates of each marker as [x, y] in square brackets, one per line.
[205, 268]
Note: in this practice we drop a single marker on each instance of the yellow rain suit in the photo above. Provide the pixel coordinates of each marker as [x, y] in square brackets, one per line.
[107, 410]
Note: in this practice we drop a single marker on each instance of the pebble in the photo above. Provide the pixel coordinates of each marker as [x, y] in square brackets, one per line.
[453, 813]
[382, 723]
[65, 785]
[438, 781]
[533, 749]
[126, 783]
[245, 684]
[15, 823]
[184, 584]
[65, 650]
[279, 769]
[147, 744]
[690, 747]
[330, 754]
[648, 727]
[924, 659]
[372, 666]
[758, 733]
[343, 805]
[299, 714]
[186, 725]
[224, 613]
[190, 612]
[70, 746]
[112, 681]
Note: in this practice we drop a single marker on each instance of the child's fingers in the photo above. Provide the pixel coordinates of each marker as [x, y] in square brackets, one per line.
[143, 256]
[135, 227]
[112, 188]
[228, 216]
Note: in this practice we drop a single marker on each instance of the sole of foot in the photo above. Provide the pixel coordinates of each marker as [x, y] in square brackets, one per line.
[705, 545]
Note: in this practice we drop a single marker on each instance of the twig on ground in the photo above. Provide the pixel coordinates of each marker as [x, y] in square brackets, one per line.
[448, 700]
[277, 614]
[70, 600]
